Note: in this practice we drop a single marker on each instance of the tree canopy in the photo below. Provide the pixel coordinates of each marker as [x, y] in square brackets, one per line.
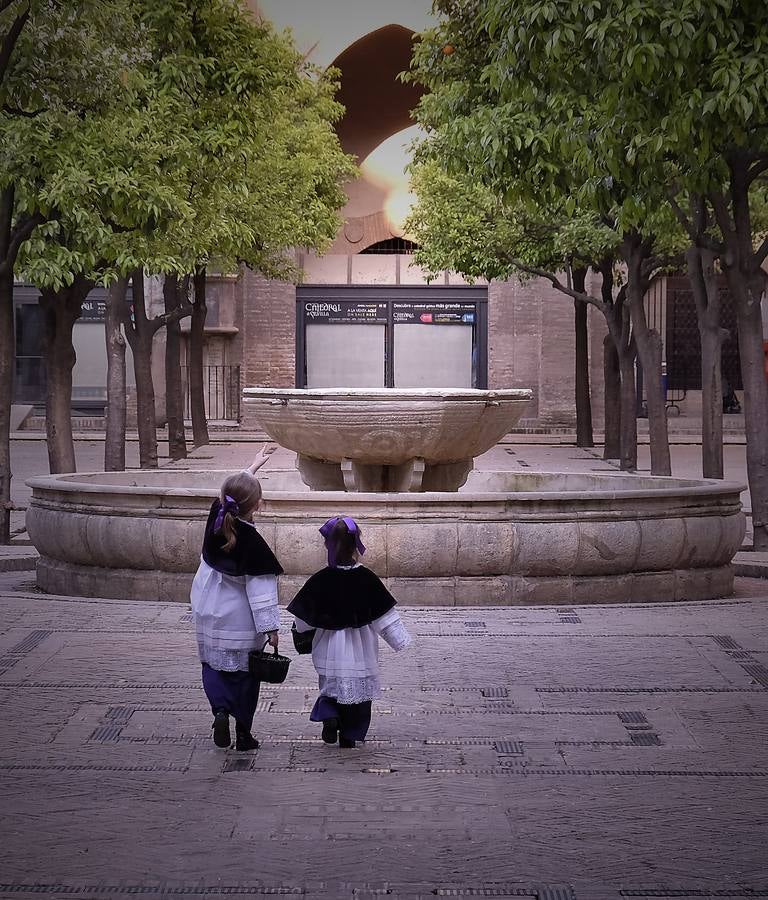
[154, 136]
[213, 141]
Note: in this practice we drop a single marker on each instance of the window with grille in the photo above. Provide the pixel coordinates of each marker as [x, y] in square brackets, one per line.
[392, 245]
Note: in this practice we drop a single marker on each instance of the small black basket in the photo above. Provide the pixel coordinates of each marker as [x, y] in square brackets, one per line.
[302, 640]
[269, 667]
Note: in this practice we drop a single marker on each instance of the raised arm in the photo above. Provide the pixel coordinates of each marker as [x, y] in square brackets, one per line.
[261, 457]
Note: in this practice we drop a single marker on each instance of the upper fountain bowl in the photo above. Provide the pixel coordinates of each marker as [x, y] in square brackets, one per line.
[386, 426]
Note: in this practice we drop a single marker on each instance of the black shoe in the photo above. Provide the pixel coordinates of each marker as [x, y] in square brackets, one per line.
[246, 741]
[346, 743]
[330, 731]
[221, 733]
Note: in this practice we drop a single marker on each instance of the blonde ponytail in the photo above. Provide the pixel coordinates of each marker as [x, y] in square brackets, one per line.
[240, 496]
[228, 530]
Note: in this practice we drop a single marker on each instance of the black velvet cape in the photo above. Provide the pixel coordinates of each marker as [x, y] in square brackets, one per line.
[341, 598]
[250, 555]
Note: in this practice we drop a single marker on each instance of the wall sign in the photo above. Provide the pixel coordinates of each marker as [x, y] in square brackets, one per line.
[344, 312]
[434, 313]
[93, 310]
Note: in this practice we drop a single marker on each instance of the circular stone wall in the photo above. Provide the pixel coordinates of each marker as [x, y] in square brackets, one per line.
[506, 539]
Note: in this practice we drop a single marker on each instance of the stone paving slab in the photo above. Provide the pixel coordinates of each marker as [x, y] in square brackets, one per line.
[18, 558]
[751, 564]
[559, 753]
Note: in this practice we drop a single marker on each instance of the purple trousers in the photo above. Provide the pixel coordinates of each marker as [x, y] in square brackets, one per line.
[234, 692]
[354, 718]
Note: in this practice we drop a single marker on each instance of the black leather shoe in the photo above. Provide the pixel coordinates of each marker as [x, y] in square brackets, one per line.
[246, 741]
[330, 731]
[346, 743]
[221, 734]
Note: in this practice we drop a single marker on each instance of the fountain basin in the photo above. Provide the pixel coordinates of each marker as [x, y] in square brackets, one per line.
[507, 539]
[383, 439]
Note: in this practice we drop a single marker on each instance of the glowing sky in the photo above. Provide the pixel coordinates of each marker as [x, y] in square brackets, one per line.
[385, 167]
[323, 29]
[326, 27]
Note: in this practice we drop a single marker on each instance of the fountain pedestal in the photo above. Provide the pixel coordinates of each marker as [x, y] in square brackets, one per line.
[402, 478]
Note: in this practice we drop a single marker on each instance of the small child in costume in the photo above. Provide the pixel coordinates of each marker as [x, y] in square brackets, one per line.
[234, 605]
[349, 609]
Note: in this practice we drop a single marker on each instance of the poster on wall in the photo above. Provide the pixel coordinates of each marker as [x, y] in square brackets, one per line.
[93, 310]
[344, 312]
[434, 313]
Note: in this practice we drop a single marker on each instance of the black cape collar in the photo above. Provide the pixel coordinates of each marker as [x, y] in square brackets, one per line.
[341, 598]
[250, 555]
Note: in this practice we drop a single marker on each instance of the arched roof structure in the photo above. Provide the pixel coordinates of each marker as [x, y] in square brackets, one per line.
[378, 104]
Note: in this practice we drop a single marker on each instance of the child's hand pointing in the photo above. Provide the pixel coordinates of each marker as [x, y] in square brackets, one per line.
[262, 456]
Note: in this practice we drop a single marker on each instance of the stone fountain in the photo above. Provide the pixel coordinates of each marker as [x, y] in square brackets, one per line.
[438, 533]
[386, 440]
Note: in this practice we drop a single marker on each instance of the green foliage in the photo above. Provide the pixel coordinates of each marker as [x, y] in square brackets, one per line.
[162, 134]
[572, 106]
[65, 72]
[609, 101]
[460, 224]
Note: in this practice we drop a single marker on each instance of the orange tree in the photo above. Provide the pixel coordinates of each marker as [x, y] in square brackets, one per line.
[523, 124]
[634, 105]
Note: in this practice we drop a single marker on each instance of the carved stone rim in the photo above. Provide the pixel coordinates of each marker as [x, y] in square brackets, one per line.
[677, 487]
[252, 394]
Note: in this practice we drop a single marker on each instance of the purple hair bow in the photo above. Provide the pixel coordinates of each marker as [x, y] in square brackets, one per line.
[230, 505]
[351, 527]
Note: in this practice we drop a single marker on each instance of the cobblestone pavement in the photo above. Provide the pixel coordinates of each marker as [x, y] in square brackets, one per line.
[592, 753]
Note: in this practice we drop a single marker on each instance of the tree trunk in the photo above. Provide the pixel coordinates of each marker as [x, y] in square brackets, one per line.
[584, 436]
[711, 402]
[114, 444]
[174, 388]
[617, 318]
[139, 334]
[747, 281]
[649, 352]
[61, 309]
[7, 366]
[701, 273]
[146, 421]
[628, 397]
[196, 388]
[612, 394]
[749, 320]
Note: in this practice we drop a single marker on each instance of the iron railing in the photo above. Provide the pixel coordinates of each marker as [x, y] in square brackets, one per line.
[683, 341]
[673, 396]
[221, 393]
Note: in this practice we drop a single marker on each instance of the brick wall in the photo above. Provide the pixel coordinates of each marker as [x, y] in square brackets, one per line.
[558, 357]
[514, 345]
[531, 344]
[267, 323]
